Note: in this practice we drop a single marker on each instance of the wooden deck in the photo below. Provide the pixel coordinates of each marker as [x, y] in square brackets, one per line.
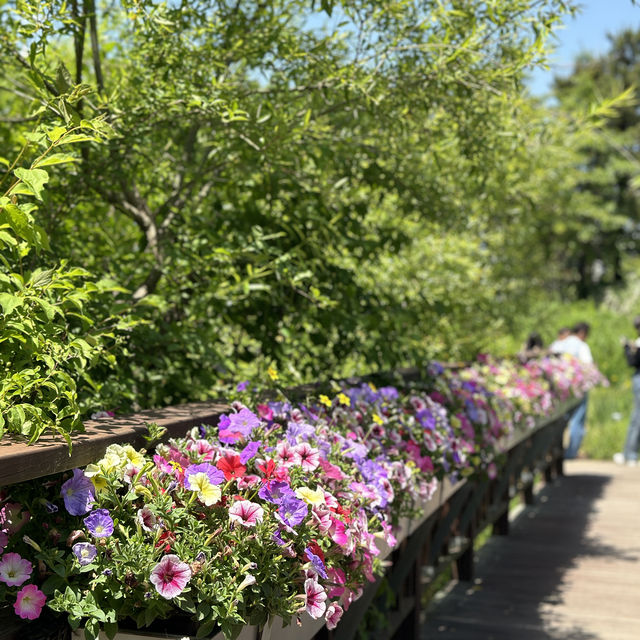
[568, 570]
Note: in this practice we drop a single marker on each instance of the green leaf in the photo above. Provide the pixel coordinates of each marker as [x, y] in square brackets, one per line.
[35, 179]
[41, 278]
[15, 418]
[49, 309]
[10, 302]
[110, 629]
[76, 137]
[206, 628]
[19, 222]
[55, 158]
[56, 133]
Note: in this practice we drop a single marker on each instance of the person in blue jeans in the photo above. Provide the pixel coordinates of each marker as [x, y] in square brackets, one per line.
[576, 345]
[632, 442]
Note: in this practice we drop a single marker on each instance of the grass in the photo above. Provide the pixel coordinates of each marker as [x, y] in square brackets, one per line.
[608, 415]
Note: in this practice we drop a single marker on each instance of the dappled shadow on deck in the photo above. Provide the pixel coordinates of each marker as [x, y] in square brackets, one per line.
[523, 580]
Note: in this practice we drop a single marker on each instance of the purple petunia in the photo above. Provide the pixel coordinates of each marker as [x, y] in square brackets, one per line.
[243, 422]
[242, 386]
[99, 523]
[275, 491]
[249, 451]
[85, 552]
[297, 430]
[316, 562]
[215, 475]
[292, 511]
[78, 493]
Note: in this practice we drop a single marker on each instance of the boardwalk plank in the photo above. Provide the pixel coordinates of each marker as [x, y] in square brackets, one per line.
[569, 570]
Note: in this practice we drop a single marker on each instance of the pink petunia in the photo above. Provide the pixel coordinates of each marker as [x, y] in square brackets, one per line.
[315, 597]
[170, 576]
[321, 518]
[333, 615]
[13, 518]
[339, 533]
[306, 456]
[146, 519]
[331, 471]
[285, 454]
[29, 602]
[14, 570]
[337, 579]
[246, 513]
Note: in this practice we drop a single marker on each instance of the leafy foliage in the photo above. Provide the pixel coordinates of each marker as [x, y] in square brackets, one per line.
[327, 187]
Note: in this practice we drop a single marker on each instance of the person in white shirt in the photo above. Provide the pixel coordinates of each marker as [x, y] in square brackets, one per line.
[556, 345]
[575, 344]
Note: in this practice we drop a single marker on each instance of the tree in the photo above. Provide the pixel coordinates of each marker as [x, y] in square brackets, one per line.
[605, 224]
[283, 184]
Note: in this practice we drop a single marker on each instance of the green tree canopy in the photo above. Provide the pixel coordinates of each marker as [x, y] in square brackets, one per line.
[329, 187]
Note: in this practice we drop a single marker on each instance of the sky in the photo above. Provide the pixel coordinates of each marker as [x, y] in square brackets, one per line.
[586, 32]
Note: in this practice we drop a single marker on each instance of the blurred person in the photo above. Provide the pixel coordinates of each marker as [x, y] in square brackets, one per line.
[632, 442]
[532, 348]
[563, 333]
[576, 345]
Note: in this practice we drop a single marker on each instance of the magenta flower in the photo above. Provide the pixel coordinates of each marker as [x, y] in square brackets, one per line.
[99, 523]
[78, 493]
[315, 597]
[29, 602]
[14, 570]
[85, 552]
[246, 513]
[170, 576]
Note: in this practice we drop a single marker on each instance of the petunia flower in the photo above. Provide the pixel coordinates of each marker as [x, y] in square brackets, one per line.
[208, 493]
[285, 454]
[310, 496]
[307, 457]
[14, 569]
[249, 451]
[244, 422]
[292, 511]
[13, 517]
[231, 466]
[85, 552]
[29, 602]
[99, 523]
[246, 513]
[170, 576]
[316, 561]
[315, 597]
[78, 493]
[274, 491]
[146, 519]
[333, 615]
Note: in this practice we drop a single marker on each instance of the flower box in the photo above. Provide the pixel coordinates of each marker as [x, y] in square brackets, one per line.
[311, 490]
